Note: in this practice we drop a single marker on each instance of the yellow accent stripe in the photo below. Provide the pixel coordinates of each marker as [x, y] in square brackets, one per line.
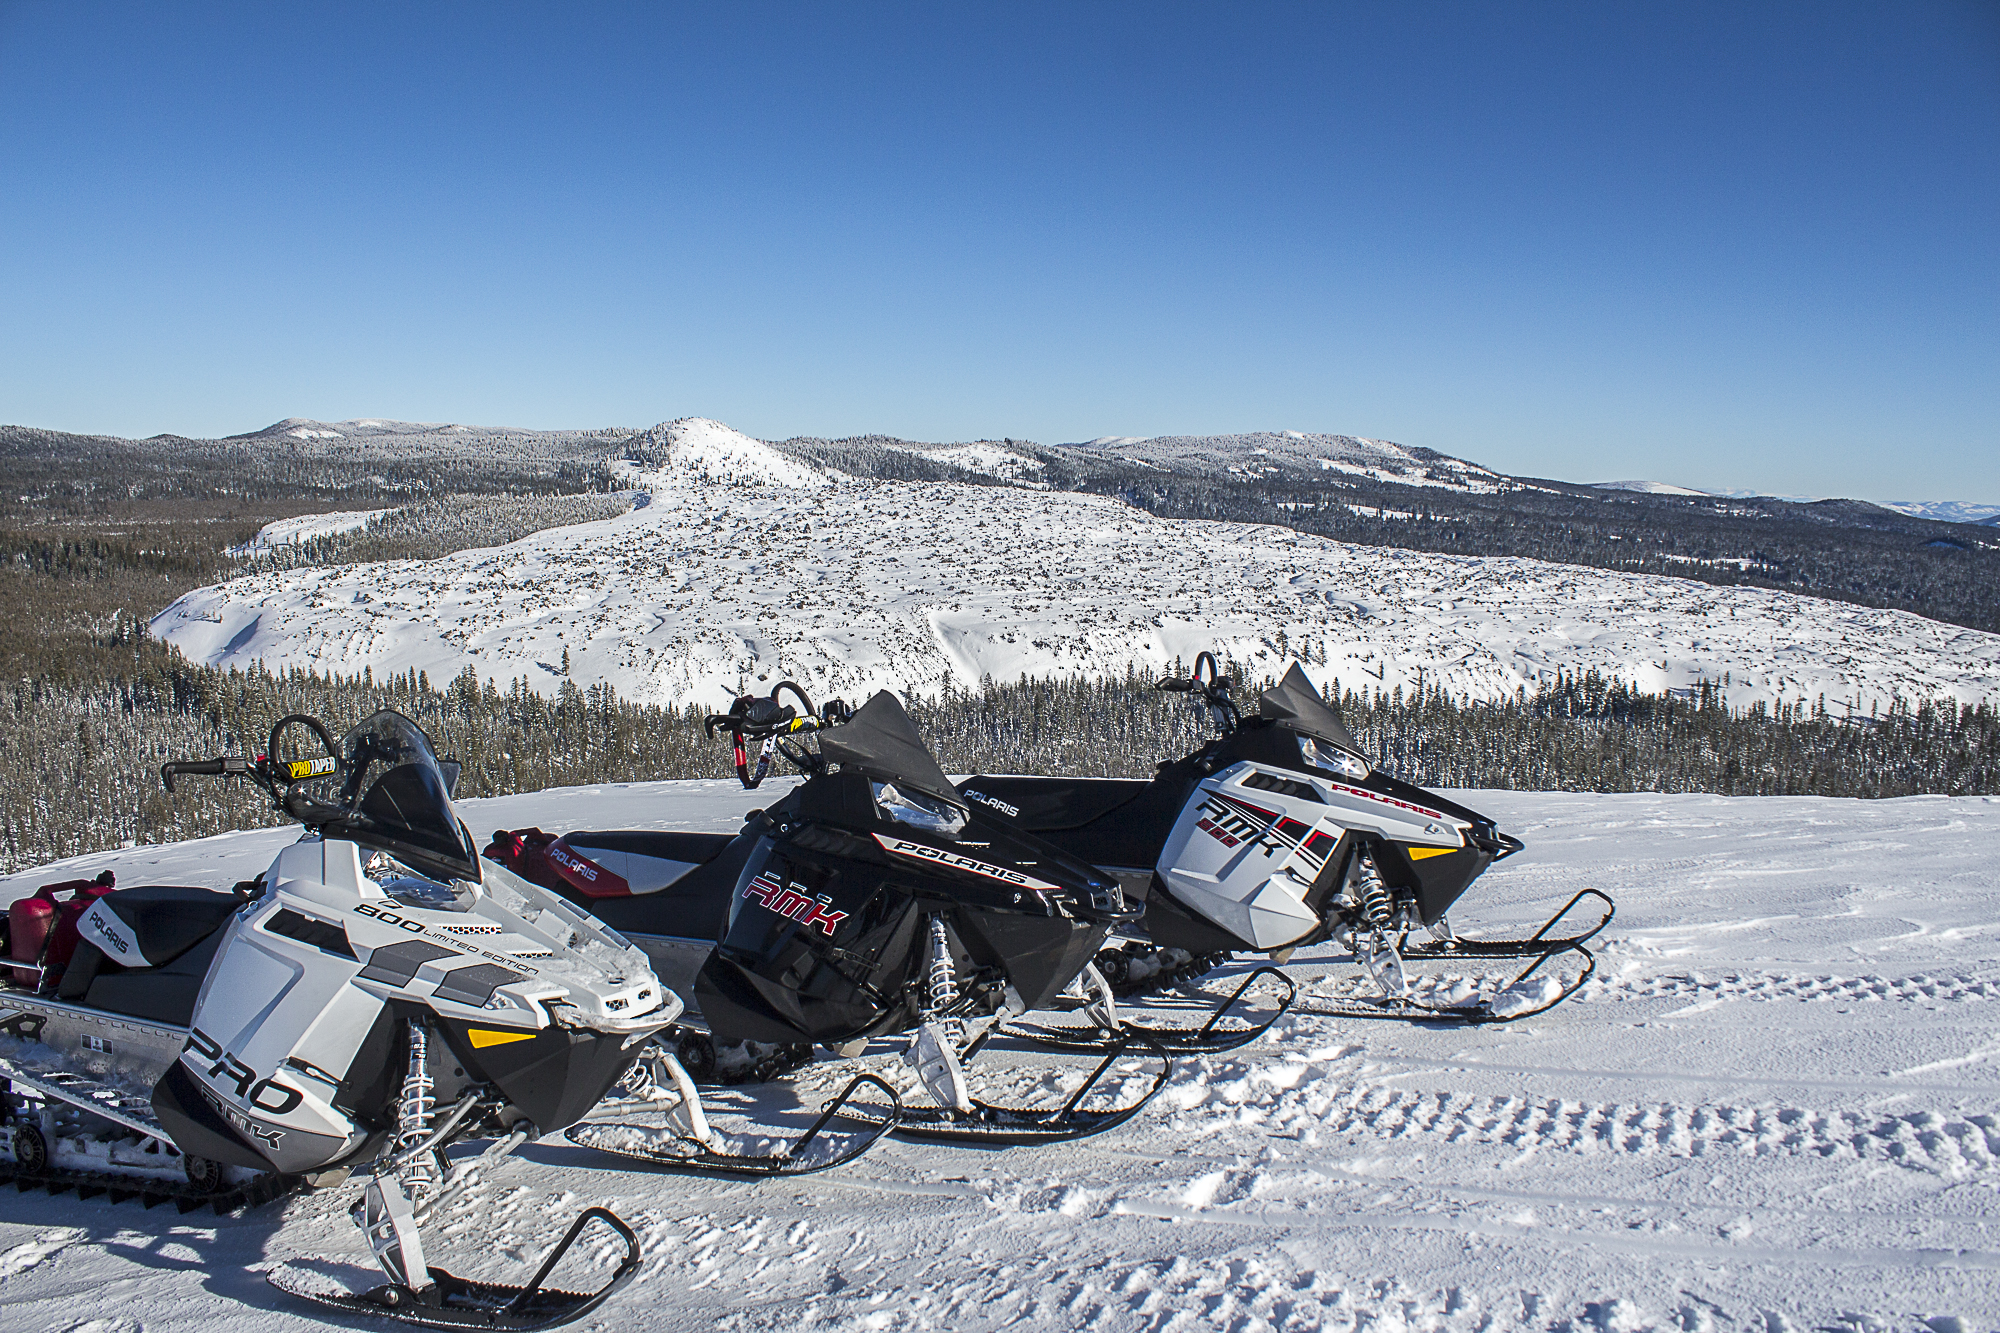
[1425, 853]
[481, 1037]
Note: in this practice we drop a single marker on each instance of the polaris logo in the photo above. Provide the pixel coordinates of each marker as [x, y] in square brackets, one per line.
[939, 856]
[1011, 811]
[571, 861]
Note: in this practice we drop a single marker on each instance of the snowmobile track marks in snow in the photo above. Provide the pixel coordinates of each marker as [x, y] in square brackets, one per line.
[1955, 1147]
[1918, 987]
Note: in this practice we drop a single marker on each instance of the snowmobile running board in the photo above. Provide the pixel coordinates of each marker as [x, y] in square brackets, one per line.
[989, 1126]
[454, 1302]
[1204, 1040]
[130, 1113]
[671, 1151]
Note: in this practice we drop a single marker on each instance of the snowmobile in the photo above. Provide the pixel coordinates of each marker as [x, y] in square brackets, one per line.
[872, 900]
[1278, 834]
[374, 997]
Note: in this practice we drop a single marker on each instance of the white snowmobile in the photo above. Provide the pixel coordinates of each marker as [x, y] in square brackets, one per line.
[374, 997]
[871, 901]
[1279, 834]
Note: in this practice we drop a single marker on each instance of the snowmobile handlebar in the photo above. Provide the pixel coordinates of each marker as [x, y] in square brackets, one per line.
[754, 717]
[1213, 687]
[229, 765]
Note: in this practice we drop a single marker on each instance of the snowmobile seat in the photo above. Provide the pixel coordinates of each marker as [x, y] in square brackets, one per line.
[694, 904]
[1052, 803]
[164, 994]
[1105, 821]
[169, 919]
[169, 922]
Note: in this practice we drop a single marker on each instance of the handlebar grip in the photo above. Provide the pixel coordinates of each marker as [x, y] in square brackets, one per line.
[197, 767]
[1175, 684]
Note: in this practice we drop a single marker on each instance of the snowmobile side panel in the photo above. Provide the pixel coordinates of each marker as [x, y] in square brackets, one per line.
[193, 1118]
[1437, 876]
[1172, 926]
[1045, 953]
[553, 1076]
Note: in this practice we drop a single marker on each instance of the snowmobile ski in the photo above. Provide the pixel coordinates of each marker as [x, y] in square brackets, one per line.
[687, 1144]
[1536, 945]
[1477, 1013]
[454, 1302]
[986, 1125]
[1209, 1039]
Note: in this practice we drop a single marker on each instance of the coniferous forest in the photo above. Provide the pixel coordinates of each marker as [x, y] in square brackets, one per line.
[79, 764]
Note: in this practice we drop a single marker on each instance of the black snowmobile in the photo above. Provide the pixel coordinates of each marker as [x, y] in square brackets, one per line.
[373, 998]
[1280, 834]
[870, 901]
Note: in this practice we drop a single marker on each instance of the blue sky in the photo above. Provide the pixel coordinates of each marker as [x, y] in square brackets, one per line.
[1730, 245]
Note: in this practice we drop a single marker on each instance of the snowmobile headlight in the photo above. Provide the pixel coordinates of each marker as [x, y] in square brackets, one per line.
[1331, 758]
[918, 809]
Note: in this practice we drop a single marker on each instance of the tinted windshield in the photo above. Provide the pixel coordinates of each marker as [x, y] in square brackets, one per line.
[394, 797]
[881, 741]
[1295, 702]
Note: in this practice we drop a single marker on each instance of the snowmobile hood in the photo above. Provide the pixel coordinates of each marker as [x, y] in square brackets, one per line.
[881, 741]
[1295, 702]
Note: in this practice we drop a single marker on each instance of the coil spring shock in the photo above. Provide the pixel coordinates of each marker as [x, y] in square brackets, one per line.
[414, 1105]
[941, 981]
[1376, 901]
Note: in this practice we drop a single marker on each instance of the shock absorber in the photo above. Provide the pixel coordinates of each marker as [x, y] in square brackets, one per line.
[940, 980]
[1376, 902]
[413, 1114]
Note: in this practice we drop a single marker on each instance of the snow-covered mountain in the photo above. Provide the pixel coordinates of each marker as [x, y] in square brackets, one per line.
[748, 568]
[1647, 487]
[1273, 453]
[1946, 511]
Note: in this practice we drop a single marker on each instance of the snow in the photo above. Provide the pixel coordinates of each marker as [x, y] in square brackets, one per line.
[294, 531]
[1947, 511]
[695, 451]
[1775, 1109]
[1649, 487]
[990, 460]
[748, 568]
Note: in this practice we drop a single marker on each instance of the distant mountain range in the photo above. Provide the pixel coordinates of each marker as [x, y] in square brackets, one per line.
[1944, 511]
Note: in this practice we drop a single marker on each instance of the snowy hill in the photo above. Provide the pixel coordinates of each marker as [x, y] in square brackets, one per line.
[695, 451]
[1645, 487]
[748, 568]
[1272, 453]
[1772, 1110]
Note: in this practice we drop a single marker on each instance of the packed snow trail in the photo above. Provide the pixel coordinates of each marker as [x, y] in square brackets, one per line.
[1777, 1108]
[846, 586]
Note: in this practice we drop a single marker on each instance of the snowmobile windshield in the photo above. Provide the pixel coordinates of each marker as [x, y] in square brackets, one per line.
[395, 798]
[882, 742]
[1295, 702]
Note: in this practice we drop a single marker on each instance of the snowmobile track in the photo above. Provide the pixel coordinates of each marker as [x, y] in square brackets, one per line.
[1951, 1146]
[186, 1196]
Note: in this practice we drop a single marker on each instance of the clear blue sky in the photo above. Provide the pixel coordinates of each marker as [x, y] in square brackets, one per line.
[1728, 245]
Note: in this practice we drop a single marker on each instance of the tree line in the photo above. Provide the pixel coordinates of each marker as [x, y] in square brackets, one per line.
[79, 761]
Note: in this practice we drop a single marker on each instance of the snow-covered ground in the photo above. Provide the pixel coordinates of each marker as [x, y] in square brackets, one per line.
[1777, 1109]
[294, 531]
[748, 568]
